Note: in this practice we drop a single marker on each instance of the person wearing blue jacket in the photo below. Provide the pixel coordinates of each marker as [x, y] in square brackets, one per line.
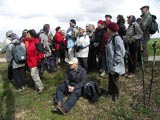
[115, 53]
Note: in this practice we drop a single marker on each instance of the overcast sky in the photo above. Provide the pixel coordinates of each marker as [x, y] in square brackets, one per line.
[17, 15]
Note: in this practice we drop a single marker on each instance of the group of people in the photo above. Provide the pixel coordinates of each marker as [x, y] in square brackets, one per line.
[102, 48]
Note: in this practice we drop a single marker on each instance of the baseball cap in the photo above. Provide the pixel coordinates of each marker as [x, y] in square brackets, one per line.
[73, 61]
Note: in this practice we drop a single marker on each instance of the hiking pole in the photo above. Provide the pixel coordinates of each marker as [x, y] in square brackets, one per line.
[142, 68]
[154, 46]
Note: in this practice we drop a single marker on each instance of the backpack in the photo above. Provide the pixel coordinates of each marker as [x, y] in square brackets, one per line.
[39, 46]
[19, 53]
[75, 33]
[153, 27]
[92, 91]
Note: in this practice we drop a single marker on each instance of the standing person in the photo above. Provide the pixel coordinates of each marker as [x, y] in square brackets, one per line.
[18, 67]
[64, 50]
[71, 38]
[115, 52]
[121, 23]
[132, 39]
[99, 33]
[44, 38]
[32, 59]
[82, 48]
[90, 31]
[145, 23]
[5, 48]
[103, 46]
[59, 44]
[74, 80]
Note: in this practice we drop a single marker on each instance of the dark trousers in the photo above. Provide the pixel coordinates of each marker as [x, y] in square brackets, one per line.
[10, 72]
[113, 86]
[84, 63]
[132, 57]
[72, 99]
[19, 77]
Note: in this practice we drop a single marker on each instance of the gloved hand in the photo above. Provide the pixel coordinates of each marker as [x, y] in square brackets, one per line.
[81, 47]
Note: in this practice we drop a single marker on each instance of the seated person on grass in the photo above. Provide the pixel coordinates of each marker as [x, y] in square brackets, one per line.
[75, 78]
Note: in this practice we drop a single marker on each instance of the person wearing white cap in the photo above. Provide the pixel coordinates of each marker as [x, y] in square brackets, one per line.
[75, 78]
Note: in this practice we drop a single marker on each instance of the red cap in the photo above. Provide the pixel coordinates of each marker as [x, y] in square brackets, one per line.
[100, 22]
[113, 26]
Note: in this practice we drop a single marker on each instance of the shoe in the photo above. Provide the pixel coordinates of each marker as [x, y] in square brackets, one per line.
[131, 75]
[62, 110]
[18, 90]
[39, 91]
[23, 88]
[55, 109]
[115, 97]
[102, 74]
[108, 94]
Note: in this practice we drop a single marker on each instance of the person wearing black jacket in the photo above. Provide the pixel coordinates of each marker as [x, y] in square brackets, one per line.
[75, 78]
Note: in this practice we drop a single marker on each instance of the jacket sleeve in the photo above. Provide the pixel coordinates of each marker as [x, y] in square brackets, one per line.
[118, 54]
[83, 80]
[138, 32]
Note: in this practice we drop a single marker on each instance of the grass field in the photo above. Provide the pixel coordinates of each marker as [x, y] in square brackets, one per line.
[28, 105]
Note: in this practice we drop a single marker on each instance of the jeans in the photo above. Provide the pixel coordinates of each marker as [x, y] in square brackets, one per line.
[72, 99]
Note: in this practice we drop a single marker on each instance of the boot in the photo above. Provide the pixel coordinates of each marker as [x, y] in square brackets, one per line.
[62, 109]
[55, 109]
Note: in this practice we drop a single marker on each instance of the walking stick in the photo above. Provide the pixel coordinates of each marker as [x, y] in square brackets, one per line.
[142, 68]
[154, 46]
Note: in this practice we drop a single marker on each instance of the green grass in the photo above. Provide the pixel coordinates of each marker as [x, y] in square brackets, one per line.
[29, 105]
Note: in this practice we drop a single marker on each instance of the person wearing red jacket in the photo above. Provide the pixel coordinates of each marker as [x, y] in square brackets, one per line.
[33, 58]
[59, 43]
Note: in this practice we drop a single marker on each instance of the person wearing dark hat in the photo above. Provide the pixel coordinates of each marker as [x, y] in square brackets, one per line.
[145, 22]
[74, 80]
[115, 53]
[71, 36]
[132, 40]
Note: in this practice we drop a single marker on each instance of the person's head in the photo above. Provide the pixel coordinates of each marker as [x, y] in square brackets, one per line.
[138, 20]
[144, 9]
[58, 29]
[46, 28]
[9, 33]
[131, 19]
[72, 22]
[81, 30]
[63, 32]
[120, 19]
[87, 27]
[108, 17]
[100, 24]
[112, 28]
[24, 33]
[73, 63]
[32, 33]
